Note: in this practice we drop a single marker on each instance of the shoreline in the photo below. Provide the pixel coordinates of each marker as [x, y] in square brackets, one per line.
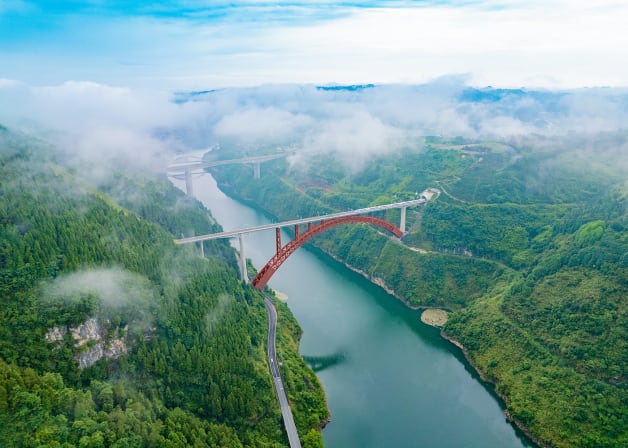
[493, 383]
[381, 283]
[483, 377]
[280, 295]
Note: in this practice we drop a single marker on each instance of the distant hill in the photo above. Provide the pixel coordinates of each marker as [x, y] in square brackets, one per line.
[348, 88]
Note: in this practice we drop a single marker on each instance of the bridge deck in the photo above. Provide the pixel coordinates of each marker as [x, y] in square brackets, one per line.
[361, 211]
[195, 165]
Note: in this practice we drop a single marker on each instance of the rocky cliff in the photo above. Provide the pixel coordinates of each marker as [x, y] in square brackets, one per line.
[92, 340]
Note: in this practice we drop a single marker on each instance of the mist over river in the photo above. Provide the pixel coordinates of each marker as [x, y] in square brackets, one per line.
[390, 380]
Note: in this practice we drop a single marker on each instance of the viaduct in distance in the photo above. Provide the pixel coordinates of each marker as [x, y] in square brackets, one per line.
[313, 225]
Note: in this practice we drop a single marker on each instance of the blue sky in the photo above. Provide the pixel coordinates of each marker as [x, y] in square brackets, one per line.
[186, 44]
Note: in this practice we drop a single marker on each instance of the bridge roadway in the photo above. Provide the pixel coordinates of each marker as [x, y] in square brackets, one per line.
[361, 211]
[182, 167]
[286, 412]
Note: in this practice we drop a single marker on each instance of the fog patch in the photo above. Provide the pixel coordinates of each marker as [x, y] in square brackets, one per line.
[354, 139]
[102, 128]
[357, 125]
[120, 296]
[215, 316]
[256, 125]
[97, 129]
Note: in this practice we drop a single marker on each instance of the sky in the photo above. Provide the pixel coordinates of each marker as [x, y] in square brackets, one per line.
[102, 78]
[205, 44]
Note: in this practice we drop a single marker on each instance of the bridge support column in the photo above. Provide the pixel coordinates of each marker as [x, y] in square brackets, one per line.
[402, 224]
[257, 170]
[189, 187]
[202, 249]
[243, 271]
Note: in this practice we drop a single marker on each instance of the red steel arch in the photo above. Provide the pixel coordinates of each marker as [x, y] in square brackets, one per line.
[313, 229]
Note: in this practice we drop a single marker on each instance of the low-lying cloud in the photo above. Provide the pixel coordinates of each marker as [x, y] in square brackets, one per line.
[116, 290]
[96, 127]
[215, 316]
[101, 127]
[358, 123]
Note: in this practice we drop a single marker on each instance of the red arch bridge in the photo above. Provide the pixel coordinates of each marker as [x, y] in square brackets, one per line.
[315, 225]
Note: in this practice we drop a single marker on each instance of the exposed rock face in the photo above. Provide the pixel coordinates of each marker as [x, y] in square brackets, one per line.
[90, 357]
[56, 334]
[113, 350]
[91, 338]
[88, 331]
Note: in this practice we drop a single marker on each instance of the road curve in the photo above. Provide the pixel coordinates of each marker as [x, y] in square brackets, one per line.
[286, 412]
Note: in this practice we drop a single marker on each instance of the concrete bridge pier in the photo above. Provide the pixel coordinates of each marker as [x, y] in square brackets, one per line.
[402, 224]
[243, 271]
[189, 187]
[257, 170]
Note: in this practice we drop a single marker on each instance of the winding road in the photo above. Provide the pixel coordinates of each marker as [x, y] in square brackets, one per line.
[286, 412]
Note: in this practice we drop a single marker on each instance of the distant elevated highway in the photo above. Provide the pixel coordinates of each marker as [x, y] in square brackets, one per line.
[191, 166]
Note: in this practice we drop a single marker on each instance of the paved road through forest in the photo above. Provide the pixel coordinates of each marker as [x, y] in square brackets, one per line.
[286, 412]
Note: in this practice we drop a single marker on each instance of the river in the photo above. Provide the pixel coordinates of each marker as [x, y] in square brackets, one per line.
[390, 380]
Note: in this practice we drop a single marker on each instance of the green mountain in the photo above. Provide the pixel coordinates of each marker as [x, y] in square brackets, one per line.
[113, 336]
[524, 242]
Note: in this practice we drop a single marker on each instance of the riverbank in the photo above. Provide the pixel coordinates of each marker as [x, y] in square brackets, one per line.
[350, 414]
[483, 377]
[488, 380]
[280, 295]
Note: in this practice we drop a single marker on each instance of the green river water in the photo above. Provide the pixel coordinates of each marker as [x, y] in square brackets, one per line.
[390, 380]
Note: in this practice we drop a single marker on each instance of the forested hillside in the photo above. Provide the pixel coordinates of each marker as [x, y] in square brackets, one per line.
[526, 244]
[191, 367]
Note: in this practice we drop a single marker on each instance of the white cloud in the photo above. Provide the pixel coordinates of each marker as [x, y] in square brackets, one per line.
[508, 46]
[256, 125]
[118, 291]
[559, 43]
[100, 125]
[113, 286]
[353, 138]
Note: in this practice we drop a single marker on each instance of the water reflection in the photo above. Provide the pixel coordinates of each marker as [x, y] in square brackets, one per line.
[320, 363]
[390, 380]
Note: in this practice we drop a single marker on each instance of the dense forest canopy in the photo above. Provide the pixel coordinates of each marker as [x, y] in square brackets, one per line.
[191, 367]
[525, 242]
